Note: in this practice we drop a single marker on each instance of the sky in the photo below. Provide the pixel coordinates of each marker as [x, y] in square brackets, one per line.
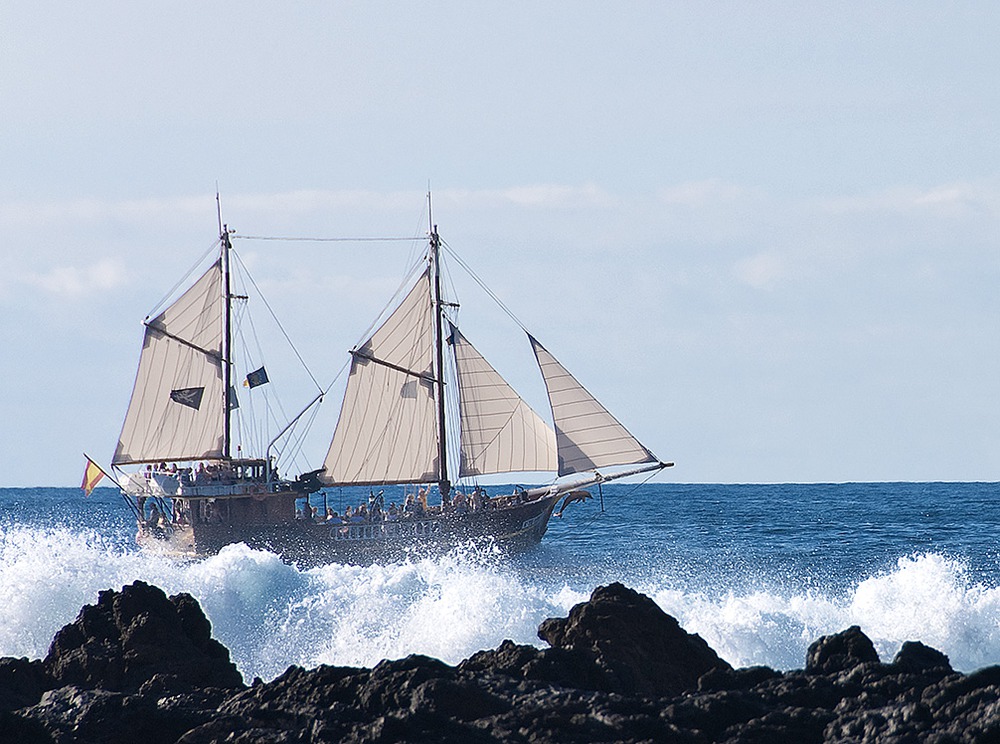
[765, 234]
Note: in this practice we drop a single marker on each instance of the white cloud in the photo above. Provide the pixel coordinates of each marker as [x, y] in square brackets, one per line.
[762, 271]
[23, 213]
[709, 192]
[948, 200]
[553, 195]
[71, 281]
[27, 213]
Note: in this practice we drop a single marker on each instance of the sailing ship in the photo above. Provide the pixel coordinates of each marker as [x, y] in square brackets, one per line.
[192, 494]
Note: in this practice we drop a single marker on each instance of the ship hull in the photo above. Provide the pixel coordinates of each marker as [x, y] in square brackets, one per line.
[510, 527]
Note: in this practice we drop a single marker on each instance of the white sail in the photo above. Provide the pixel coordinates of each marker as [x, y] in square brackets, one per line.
[176, 411]
[588, 437]
[387, 431]
[500, 433]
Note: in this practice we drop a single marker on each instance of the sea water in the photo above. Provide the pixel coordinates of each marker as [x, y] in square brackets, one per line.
[759, 571]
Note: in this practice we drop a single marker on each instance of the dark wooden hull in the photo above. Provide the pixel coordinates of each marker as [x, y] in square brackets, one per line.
[512, 526]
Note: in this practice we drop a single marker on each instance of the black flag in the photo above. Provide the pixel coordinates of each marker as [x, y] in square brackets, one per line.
[257, 377]
[190, 397]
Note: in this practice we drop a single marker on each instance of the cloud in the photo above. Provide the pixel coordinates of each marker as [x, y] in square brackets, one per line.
[27, 213]
[550, 195]
[709, 192]
[762, 271]
[71, 281]
[299, 202]
[949, 200]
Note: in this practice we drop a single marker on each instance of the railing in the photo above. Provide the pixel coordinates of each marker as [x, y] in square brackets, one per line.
[381, 530]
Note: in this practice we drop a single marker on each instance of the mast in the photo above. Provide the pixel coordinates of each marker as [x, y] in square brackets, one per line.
[227, 363]
[443, 484]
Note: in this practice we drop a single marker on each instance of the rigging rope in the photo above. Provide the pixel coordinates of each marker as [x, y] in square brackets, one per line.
[275, 318]
[482, 285]
[290, 239]
[211, 249]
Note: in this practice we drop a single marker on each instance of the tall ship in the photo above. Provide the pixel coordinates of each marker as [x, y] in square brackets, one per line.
[424, 416]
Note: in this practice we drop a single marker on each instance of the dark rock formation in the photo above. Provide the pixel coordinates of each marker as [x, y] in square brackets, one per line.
[844, 650]
[139, 667]
[637, 648]
[22, 683]
[619, 641]
[129, 637]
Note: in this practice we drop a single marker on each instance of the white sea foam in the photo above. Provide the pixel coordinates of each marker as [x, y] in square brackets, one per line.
[271, 615]
[924, 597]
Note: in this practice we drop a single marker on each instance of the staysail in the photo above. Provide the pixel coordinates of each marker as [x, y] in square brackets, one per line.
[500, 433]
[588, 437]
[387, 431]
[177, 406]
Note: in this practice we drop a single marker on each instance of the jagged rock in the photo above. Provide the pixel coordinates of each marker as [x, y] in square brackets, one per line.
[840, 651]
[715, 680]
[914, 656]
[129, 637]
[22, 682]
[15, 729]
[618, 669]
[638, 648]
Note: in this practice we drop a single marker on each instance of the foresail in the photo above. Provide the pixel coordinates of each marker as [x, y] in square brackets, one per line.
[500, 433]
[588, 437]
[176, 411]
[387, 431]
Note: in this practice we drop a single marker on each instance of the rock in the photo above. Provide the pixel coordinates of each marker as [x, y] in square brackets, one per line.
[129, 637]
[914, 656]
[141, 667]
[22, 683]
[718, 679]
[840, 652]
[462, 700]
[638, 648]
[15, 729]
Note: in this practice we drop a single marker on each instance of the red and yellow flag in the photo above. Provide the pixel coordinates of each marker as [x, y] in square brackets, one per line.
[91, 477]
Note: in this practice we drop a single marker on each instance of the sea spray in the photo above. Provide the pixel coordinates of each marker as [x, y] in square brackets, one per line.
[716, 565]
[46, 576]
[931, 598]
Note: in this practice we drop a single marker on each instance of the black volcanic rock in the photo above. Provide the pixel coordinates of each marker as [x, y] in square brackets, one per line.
[130, 636]
[840, 651]
[914, 656]
[22, 683]
[619, 641]
[638, 648]
[139, 667]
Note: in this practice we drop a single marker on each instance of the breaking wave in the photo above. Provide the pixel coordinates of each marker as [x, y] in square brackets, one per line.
[271, 615]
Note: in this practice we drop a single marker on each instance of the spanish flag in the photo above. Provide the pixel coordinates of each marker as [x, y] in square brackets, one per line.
[91, 477]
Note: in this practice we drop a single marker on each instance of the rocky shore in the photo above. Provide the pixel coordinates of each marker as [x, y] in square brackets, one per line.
[139, 666]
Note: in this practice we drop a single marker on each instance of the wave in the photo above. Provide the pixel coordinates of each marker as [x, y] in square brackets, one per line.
[271, 615]
[925, 597]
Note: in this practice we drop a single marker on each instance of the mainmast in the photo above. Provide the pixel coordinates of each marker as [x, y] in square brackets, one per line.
[443, 484]
[227, 359]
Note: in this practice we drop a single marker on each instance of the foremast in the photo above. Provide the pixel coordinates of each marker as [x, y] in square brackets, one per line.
[227, 347]
[444, 485]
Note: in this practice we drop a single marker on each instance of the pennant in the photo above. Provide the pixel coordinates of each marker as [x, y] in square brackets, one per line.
[255, 378]
[190, 397]
[91, 477]
[234, 402]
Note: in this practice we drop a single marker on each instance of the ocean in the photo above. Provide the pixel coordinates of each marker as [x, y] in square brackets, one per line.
[759, 571]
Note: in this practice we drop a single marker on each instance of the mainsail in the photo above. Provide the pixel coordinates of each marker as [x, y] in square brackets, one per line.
[387, 432]
[177, 406]
[500, 433]
[588, 437]
[391, 422]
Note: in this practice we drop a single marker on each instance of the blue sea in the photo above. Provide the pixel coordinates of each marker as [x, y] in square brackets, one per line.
[759, 571]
